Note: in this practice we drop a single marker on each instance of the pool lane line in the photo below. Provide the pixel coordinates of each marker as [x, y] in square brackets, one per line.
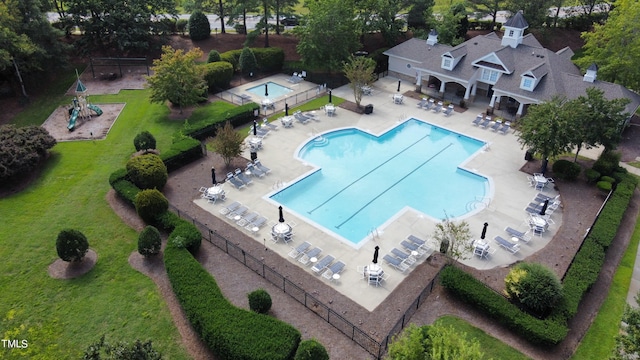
[363, 176]
[392, 185]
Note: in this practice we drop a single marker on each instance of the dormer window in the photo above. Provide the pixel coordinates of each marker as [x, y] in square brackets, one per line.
[447, 63]
[527, 82]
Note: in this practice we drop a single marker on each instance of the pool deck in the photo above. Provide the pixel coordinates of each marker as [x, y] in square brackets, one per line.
[500, 162]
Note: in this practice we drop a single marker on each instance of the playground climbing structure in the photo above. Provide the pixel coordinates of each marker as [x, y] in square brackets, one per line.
[81, 106]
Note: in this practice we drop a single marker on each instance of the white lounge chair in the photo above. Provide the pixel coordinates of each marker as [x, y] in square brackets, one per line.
[523, 236]
[322, 264]
[254, 226]
[509, 246]
[302, 118]
[496, 125]
[504, 129]
[335, 268]
[238, 212]
[244, 178]
[438, 107]
[423, 102]
[299, 250]
[254, 170]
[413, 247]
[259, 165]
[478, 120]
[268, 125]
[430, 104]
[230, 208]
[306, 258]
[449, 110]
[246, 219]
[237, 183]
[396, 263]
[408, 258]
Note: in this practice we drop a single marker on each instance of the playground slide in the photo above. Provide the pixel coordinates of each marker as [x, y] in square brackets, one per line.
[96, 109]
[72, 120]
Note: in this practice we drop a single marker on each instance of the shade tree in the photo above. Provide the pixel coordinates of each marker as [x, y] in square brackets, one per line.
[535, 11]
[359, 70]
[22, 149]
[455, 239]
[487, 7]
[228, 143]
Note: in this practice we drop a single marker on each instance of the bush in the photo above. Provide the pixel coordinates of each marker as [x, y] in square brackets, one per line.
[72, 245]
[259, 301]
[22, 149]
[311, 350]
[269, 59]
[181, 25]
[150, 204]
[183, 151]
[147, 171]
[247, 61]
[534, 286]
[232, 57]
[608, 179]
[186, 235]
[607, 163]
[566, 170]
[591, 175]
[218, 75]
[199, 27]
[149, 241]
[213, 56]
[604, 186]
[144, 141]
[122, 351]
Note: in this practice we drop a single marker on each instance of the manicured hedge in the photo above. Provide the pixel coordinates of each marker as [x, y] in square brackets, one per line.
[230, 332]
[268, 59]
[580, 277]
[126, 190]
[218, 75]
[238, 116]
[188, 235]
[476, 293]
[182, 152]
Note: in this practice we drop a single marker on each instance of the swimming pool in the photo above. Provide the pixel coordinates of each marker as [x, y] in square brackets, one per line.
[275, 90]
[363, 180]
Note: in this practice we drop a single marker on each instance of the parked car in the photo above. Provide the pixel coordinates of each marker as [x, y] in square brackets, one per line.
[290, 21]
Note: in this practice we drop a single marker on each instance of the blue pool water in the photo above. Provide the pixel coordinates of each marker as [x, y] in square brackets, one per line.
[363, 180]
[275, 90]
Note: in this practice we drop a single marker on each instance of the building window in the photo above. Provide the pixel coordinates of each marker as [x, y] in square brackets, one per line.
[511, 33]
[527, 83]
[490, 76]
[446, 63]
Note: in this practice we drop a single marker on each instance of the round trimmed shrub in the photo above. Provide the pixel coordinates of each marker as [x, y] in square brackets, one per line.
[218, 75]
[150, 204]
[149, 241]
[607, 163]
[533, 286]
[566, 170]
[247, 61]
[591, 175]
[311, 350]
[608, 179]
[144, 141]
[147, 171]
[604, 186]
[199, 27]
[186, 235]
[259, 301]
[71, 245]
[213, 56]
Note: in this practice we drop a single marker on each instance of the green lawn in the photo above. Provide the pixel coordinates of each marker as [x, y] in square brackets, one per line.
[492, 347]
[60, 318]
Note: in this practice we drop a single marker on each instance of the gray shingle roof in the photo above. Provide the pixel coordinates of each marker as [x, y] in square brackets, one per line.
[517, 21]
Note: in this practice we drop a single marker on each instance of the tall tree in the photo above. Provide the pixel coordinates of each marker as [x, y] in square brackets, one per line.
[329, 36]
[455, 239]
[628, 339]
[417, 14]
[433, 342]
[488, 7]
[548, 128]
[598, 121]
[615, 46]
[382, 16]
[228, 143]
[123, 25]
[177, 78]
[238, 9]
[453, 25]
[359, 71]
[535, 11]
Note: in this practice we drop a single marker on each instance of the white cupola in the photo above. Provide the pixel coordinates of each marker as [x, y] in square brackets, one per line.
[514, 30]
[592, 72]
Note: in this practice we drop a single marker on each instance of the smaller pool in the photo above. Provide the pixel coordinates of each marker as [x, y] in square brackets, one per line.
[274, 90]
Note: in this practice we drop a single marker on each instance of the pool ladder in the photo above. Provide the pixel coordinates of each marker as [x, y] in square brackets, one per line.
[278, 185]
[373, 234]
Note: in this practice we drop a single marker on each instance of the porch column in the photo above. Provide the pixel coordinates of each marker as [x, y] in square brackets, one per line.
[442, 86]
[493, 100]
[467, 92]
[520, 110]
[419, 81]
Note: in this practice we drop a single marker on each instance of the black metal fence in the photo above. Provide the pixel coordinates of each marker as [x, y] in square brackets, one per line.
[278, 105]
[312, 303]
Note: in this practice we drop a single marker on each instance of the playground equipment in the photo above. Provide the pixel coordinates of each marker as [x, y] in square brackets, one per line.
[81, 106]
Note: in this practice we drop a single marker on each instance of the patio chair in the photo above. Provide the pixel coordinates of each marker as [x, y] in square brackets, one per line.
[396, 263]
[416, 240]
[504, 129]
[540, 197]
[430, 104]
[254, 226]
[230, 208]
[294, 79]
[260, 132]
[408, 258]
[449, 110]
[259, 165]
[423, 102]
[241, 210]
[305, 259]
[303, 119]
[254, 170]
[507, 245]
[246, 219]
[409, 246]
[496, 125]
[203, 189]
[237, 183]
[484, 123]
[244, 178]
[335, 268]
[438, 107]
[523, 236]
[478, 120]
[296, 252]
[322, 264]
[267, 124]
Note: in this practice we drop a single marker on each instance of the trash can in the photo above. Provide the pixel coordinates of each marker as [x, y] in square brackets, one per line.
[254, 156]
[368, 109]
[528, 155]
